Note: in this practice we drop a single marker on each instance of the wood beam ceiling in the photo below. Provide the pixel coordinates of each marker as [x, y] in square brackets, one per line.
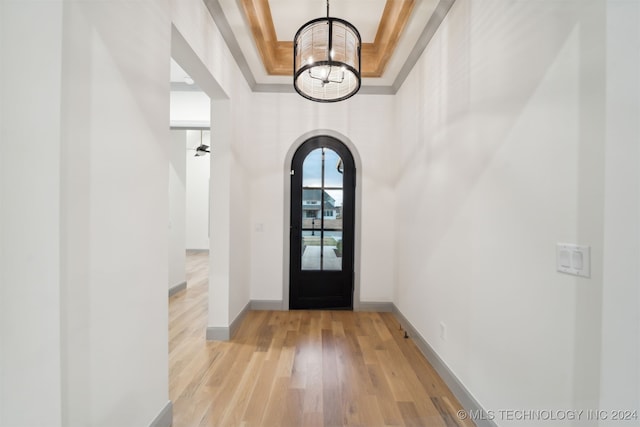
[277, 56]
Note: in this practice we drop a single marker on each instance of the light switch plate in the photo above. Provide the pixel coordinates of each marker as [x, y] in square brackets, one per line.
[573, 259]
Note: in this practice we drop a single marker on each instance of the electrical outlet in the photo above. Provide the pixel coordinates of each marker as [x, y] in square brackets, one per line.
[443, 331]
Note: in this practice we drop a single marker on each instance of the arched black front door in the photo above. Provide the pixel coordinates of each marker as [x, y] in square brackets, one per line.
[323, 179]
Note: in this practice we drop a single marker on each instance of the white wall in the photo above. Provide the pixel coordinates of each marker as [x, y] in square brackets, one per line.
[84, 213]
[177, 208]
[230, 255]
[220, 220]
[620, 374]
[501, 135]
[197, 191]
[115, 212]
[278, 120]
[190, 109]
[199, 48]
[493, 151]
[240, 239]
[257, 131]
[240, 129]
[31, 37]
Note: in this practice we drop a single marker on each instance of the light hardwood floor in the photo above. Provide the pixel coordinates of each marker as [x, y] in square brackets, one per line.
[299, 368]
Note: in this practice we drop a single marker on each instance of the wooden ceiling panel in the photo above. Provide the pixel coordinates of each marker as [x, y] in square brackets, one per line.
[277, 55]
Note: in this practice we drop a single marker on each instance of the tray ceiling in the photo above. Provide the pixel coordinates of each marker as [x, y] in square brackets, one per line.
[394, 33]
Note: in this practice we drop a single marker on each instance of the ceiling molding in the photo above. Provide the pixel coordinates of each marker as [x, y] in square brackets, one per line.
[216, 12]
[421, 44]
[189, 125]
[429, 30]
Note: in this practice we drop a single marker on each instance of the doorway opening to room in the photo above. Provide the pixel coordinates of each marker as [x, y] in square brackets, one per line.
[321, 267]
[189, 175]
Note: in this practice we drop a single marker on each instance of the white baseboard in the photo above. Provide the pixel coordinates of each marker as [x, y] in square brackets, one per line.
[380, 307]
[165, 417]
[466, 399]
[225, 333]
[177, 288]
[278, 305]
[218, 333]
[268, 305]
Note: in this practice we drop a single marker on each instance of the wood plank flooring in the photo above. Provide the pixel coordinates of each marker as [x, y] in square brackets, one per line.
[299, 368]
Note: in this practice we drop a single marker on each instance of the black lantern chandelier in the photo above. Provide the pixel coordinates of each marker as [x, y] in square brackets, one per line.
[326, 59]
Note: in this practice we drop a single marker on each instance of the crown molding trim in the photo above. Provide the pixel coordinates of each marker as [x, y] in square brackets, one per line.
[423, 41]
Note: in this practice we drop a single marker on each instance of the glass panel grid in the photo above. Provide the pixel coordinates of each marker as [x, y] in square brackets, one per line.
[322, 195]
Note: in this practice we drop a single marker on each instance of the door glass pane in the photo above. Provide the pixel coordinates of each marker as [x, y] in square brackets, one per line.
[322, 211]
[311, 250]
[332, 169]
[312, 169]
[312, 209]
[332, 250]
[332, 227]
[332, 230]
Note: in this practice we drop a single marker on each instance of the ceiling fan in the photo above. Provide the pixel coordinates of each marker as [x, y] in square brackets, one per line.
[202, 149]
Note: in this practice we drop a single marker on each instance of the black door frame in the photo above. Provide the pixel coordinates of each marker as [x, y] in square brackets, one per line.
[304, 285]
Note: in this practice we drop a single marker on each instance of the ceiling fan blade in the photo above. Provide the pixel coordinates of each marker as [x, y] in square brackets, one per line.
[202, 150]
